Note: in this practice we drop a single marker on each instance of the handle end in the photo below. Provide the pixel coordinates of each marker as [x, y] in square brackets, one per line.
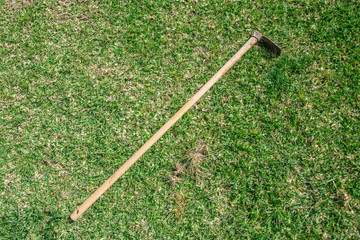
[75, 215]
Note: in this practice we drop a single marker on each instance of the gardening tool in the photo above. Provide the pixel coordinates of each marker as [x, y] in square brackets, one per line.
[256, 37]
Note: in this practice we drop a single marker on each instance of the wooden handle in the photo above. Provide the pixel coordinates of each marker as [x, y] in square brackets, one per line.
[107, 184]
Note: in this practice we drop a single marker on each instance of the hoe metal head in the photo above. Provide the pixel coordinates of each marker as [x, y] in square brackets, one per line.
[267, 42]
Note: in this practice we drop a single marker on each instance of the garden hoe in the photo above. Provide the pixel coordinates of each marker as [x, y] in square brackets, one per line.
[256, 37]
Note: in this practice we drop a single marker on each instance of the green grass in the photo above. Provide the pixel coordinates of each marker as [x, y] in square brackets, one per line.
[271, 151]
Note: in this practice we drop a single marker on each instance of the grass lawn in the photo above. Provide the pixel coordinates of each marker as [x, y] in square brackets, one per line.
[271, 151]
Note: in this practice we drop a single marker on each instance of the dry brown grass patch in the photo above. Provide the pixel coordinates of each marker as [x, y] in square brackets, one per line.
[196, 157]
[191, 164]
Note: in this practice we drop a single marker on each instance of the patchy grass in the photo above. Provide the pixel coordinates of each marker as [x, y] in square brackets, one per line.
[272, 151]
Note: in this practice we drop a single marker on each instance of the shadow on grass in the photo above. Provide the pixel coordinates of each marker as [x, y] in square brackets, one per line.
[266, 52]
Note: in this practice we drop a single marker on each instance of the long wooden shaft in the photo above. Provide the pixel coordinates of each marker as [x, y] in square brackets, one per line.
[107, 184]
